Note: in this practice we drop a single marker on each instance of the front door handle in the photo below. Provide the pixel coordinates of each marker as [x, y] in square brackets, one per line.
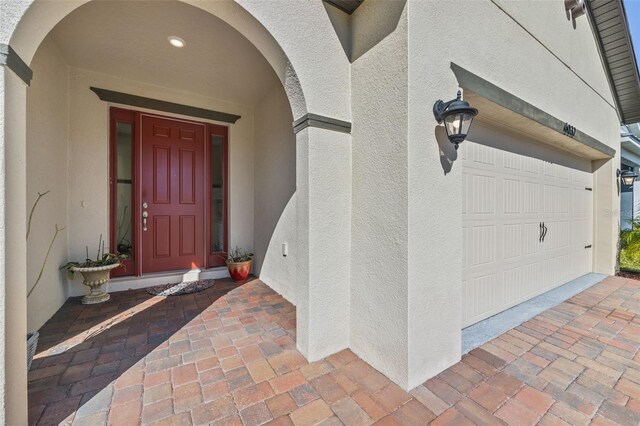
[145, 214]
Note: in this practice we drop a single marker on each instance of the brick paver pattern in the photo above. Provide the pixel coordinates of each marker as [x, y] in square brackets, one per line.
[228, 356]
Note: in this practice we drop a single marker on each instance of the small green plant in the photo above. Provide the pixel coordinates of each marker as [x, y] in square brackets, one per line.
[237, 255]
[630, 247]
[102, 259]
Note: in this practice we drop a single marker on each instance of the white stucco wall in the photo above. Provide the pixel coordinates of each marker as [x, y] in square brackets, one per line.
[311, 60]
[323, 210]
[47, 138]
[415, 318]
[321, 65]
[88, 160]
[527, 67]
[576, 47]
[379, 293]
[606, 216]
[13, 249]
[524, 66]
[274, 220]
[416, 246]
[20, 408]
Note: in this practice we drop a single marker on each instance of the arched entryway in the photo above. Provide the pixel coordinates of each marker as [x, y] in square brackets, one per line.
[314, 77]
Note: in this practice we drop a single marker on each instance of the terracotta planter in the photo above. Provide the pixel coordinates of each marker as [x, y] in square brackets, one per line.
[95, 278]
[239, 271]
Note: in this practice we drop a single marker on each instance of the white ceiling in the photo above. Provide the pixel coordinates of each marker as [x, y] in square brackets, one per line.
[129, 39]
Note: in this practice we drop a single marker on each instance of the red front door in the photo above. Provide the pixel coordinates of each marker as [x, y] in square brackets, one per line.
[172, 195]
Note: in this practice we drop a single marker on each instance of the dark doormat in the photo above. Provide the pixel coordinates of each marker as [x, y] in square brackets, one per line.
[180, 288]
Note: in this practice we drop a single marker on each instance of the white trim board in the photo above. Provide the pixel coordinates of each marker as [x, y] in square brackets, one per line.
[480, 333]
[149, 280]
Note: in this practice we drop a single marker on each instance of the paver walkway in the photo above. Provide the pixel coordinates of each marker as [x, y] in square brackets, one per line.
[228, 355]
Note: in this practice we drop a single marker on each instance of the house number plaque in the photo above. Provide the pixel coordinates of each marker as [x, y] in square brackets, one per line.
[569, 130]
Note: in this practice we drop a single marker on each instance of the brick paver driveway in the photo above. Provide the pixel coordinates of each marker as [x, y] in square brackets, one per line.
[228, 355]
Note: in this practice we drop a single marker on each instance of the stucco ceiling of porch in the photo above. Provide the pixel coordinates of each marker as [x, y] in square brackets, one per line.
[129, 40]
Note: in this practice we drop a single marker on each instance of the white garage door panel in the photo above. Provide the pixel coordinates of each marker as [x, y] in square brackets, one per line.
[506, 196]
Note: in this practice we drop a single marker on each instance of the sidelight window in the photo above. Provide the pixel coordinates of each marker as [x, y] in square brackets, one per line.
[122, 188]
[218, 194]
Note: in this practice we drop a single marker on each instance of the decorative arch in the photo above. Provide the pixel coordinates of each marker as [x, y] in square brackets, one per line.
[42, 16]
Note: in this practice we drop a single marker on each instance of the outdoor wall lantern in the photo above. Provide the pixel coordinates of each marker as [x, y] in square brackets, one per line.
[576, 7]
[457, 116]
[627, 177]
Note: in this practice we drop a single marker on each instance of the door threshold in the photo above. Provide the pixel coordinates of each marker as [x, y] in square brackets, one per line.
[169, 277]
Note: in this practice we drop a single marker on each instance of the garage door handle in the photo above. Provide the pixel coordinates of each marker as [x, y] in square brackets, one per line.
[544, 233]
[541, 232]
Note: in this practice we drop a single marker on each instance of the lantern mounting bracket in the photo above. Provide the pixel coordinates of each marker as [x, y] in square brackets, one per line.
[440, 107]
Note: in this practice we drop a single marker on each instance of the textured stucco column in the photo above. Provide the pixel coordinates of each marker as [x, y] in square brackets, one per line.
[606, 215]
[323, 176]
[407, 232]
[379, 286]
[13, 250]
[435, 202]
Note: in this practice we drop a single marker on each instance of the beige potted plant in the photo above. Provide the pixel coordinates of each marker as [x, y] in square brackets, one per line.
[96, 273]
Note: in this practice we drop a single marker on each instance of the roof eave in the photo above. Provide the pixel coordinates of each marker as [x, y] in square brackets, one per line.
[627, 103]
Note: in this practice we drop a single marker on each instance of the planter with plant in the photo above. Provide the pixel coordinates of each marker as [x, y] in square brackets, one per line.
[239, 264]
[96, 273]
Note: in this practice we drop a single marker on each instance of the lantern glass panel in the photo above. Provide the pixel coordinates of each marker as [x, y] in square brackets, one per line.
[458, 124]
[466, 123]
[628, 180]
[453, 124]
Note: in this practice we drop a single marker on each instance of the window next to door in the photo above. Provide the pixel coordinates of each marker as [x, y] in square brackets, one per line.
[122, 181]
[218, 194]
[124, 195]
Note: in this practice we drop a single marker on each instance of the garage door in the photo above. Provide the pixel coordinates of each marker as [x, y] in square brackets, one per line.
[509, 202]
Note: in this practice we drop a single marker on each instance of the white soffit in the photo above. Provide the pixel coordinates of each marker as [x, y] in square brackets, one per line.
[631, 144]
[128, 39]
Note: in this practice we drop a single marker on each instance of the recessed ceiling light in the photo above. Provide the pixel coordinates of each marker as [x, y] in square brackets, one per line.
[176, 41]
